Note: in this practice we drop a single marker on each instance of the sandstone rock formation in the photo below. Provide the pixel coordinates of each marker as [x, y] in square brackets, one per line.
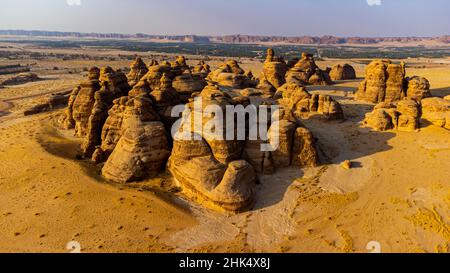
[222, 172]
[384, 82]
[83, 105]
[49, 103]
[138, 69]
[231, 75]
[187, 84]
[418, 88]
[156, 72]
[211, 168]
[20, 79]
[202, 68]
[165, 97]
[305, 71]
[82, 101]
[437, 111]
[274, 70]
[403, 116]
[301, 104]
[142, 149]
[342, 72]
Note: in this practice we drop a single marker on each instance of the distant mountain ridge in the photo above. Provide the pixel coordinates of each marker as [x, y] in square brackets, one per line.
[307, 40]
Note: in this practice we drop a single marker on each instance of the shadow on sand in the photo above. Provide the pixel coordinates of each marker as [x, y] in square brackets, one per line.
[440, 92]
[336, 141]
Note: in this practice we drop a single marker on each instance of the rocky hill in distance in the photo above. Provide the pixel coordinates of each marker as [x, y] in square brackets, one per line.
[236, 39]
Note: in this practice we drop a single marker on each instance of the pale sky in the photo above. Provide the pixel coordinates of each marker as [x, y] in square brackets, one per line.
[220, 17]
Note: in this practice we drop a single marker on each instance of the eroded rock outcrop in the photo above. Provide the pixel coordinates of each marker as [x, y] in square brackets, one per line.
[20, 79]
[301, 104]
[84, 103]
[156, 72]
[49, 103]
[202, 67]
[222, 172]
[138, 69]
[305, 71]
[210, 168]
[187, 84]
[231, 75]
[403, 116]
[165, 97]
[342, 72]
[274, 70]
[384, 82]
[142, 149]
[418, 88]
[437, 111]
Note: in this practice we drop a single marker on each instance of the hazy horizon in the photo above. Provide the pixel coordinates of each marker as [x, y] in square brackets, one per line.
[363, 18]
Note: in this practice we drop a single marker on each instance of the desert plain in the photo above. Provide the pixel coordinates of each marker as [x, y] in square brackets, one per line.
[397, 192]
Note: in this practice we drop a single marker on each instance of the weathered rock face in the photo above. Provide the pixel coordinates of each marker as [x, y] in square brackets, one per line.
[384, 82]
[83, 105]
[49, 103]
[140, 107]
[266, 87]
[223, 171]
[102, 103]
[274, 70]
[142, 149]
[179, 66]
[299, 103]
[230, 75]
[305, 71]
[141, 88]
[89, 104]
[164, 98]
[320, 77]
[210, 168]
[187, 84]
[116, 82]
[138, 69]
[403, 116]
[66, 120]
[202, 68]
[156, 72]
[342, 72]
[418, 88]
[21, 79]
[437, 111]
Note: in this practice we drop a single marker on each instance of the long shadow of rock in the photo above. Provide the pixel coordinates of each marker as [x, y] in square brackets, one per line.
[440, 92]
[273, 188]
[337, 142]
[58, 145]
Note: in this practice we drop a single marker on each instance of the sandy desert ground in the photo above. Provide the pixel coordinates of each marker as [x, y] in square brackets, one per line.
[398, 194]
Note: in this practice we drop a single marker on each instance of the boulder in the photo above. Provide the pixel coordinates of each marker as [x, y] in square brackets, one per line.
[296, 101]
[403, 116]
[418, 88]
[437, 111]
[342, 72]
